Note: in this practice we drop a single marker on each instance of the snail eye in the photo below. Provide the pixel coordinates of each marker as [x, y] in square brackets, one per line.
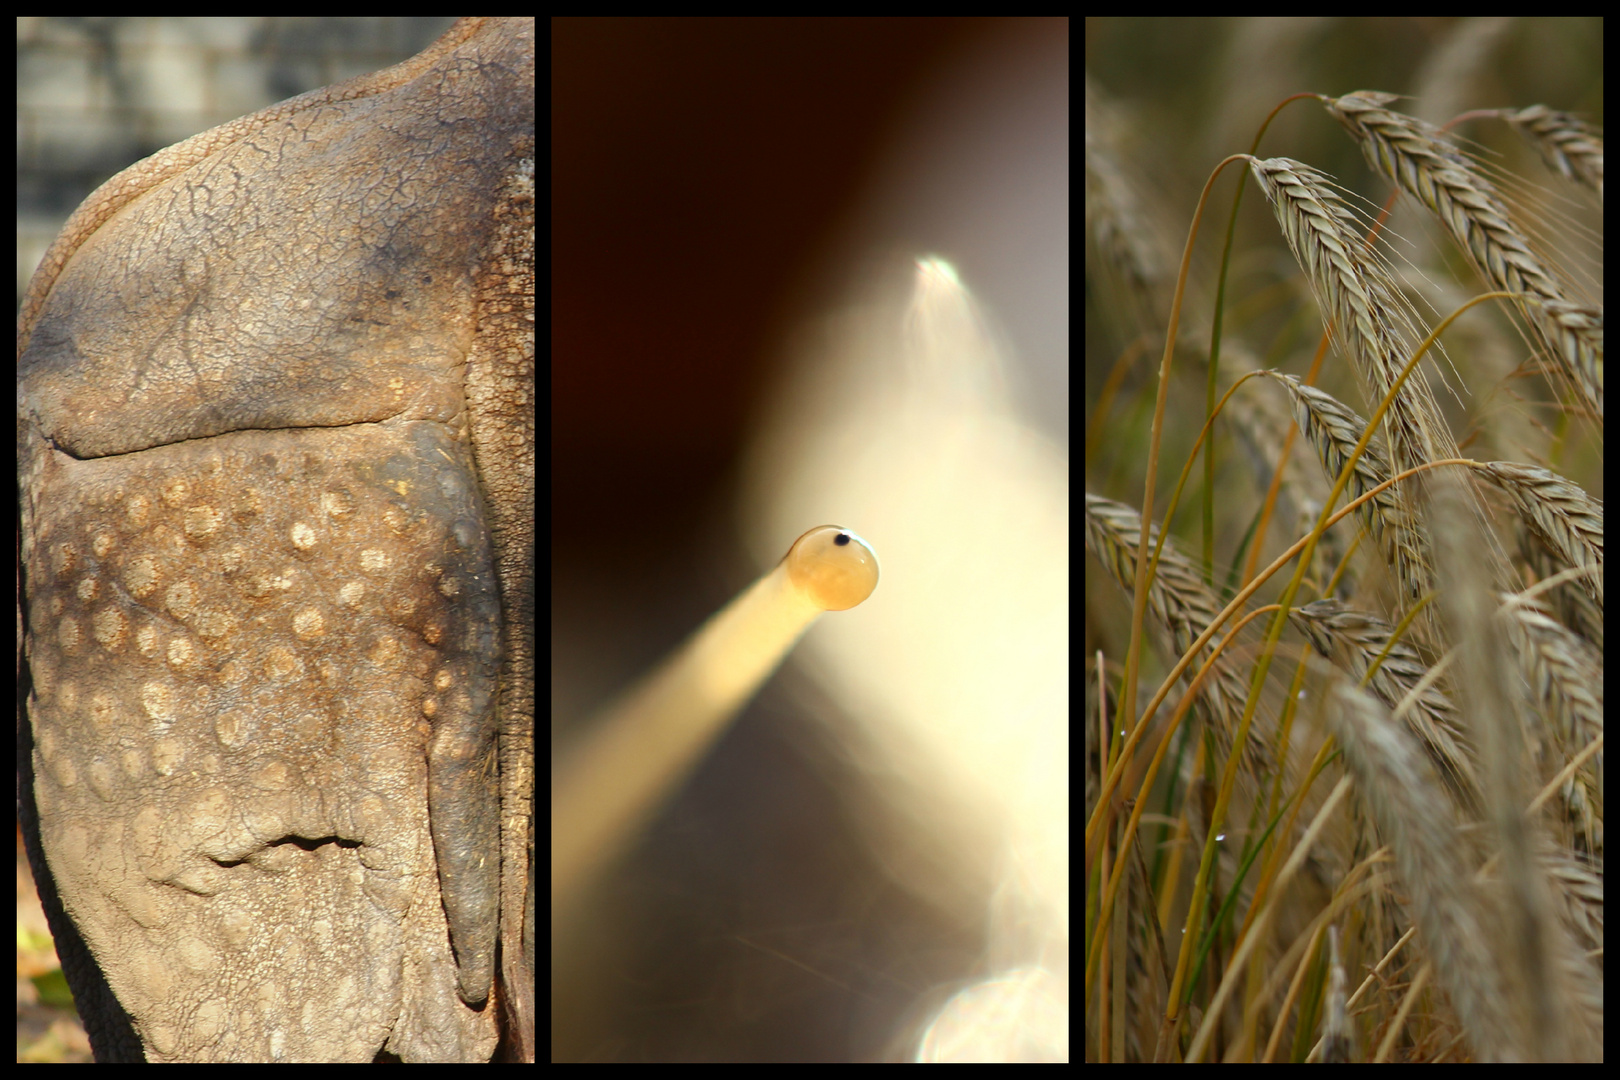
[834, 567]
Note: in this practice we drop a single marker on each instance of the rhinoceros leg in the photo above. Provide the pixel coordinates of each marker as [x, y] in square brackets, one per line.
[275, 440]
[257, 660]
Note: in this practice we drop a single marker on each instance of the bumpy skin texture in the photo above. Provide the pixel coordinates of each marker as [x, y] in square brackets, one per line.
[276, 438]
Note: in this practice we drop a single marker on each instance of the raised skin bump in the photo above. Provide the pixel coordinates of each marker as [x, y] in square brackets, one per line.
[639, 749]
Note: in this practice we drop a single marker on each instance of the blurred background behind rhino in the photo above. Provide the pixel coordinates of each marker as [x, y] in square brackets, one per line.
[744, 345]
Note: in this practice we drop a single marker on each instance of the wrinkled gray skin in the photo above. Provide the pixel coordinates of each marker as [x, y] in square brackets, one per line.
[276, 457]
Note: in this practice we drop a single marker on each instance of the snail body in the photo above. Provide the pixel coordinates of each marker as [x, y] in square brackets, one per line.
[638, 750]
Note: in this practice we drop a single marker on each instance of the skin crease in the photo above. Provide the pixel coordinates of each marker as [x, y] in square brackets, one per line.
[441, 488]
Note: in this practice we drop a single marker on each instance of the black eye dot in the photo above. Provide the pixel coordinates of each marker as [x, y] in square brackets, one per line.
[841, 539]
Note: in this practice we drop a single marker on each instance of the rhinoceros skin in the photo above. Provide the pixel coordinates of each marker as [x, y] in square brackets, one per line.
[276, 469]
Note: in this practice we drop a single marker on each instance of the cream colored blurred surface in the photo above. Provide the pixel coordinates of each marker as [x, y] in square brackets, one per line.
[898, 419]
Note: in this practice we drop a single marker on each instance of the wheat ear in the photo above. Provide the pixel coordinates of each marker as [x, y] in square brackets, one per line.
[1567, 521]
[1333, 430]
[1357, 640]
[1181, 606]
[1366, 309]
[1338, 1043]
[1566, 675]
[1398, 784]
[1351, 286]
[1569, 145]
[1422, 163]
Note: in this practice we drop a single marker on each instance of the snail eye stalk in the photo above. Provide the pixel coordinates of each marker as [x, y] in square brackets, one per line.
[833, 567]
[638, 749]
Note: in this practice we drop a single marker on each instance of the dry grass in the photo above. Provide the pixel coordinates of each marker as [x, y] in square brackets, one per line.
[1404, 859]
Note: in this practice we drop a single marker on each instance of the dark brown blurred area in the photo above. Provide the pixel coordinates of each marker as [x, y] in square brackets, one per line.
[696, 165]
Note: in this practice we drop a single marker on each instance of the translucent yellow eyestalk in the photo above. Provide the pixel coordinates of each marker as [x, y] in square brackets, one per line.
[639, 749]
